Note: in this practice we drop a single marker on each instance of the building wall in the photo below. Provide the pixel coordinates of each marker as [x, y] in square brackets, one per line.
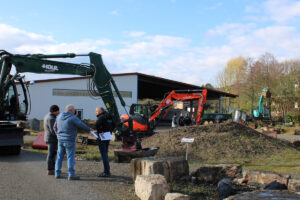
[42, 96]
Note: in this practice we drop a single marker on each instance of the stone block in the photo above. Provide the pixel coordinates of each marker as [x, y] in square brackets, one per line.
[176, 196]
[151, 187]
[265, 178]
[213, 174]
[294, 185]
[171, 168]
[265, 195]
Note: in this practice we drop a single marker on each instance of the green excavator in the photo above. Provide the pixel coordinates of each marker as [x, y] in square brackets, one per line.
[262, 113]
[12, 109]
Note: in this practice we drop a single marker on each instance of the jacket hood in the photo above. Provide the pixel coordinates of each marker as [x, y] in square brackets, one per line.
[65, 115]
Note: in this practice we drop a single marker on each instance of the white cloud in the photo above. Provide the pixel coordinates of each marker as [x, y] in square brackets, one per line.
[20, 41]
[230, 28]
[283, 11]
[168, 56]
[152, 47]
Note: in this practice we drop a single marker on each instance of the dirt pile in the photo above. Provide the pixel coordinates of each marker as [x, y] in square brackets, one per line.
[228, 142]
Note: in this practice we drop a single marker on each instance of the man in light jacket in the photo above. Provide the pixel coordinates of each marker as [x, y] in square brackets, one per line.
[50, 138]
[66, 129]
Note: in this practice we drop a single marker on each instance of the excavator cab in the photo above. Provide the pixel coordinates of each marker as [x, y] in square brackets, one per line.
[15, 104]
[140, 109]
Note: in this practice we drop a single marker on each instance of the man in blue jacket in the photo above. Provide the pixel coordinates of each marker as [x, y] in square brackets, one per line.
[66, 129]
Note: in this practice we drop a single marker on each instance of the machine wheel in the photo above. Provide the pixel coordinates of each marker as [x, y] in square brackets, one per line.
[16, 150]
[10, 150]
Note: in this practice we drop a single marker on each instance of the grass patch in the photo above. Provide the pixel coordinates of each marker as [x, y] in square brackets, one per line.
[195, 191]
[290, 130]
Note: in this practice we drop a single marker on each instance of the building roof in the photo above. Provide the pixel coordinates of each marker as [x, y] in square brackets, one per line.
[154, 87]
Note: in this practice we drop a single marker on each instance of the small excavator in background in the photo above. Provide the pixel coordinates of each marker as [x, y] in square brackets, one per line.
[144, 121]
[12, 108]
[261, 114]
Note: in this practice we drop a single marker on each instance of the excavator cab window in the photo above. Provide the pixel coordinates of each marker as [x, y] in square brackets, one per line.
[16, 104]
[140, 109]
[11, 103]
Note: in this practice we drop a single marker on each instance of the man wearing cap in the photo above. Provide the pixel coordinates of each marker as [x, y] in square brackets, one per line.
[50, 138]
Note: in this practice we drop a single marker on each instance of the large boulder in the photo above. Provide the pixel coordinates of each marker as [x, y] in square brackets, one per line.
[297, 132]
[176, 196]
[265, 178]
[224, 188]
[294, 185]
[151, 187]
[265, 195]
[213, 174]
[171, 168]
[275, 186]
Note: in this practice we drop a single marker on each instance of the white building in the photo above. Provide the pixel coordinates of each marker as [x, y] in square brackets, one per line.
[133, 86]
[64, 91]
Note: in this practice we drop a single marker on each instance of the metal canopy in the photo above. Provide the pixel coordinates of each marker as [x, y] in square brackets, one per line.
[153, 87]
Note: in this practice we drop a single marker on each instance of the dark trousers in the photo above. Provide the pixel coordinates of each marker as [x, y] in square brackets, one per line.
[103, 147]
[51, 157]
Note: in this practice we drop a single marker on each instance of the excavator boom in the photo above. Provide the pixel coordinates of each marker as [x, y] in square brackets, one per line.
[168, 102]
[38, 63]
[10, 109]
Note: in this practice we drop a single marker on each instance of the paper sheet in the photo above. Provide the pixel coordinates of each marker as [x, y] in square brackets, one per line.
[105, 136]
[92, 132]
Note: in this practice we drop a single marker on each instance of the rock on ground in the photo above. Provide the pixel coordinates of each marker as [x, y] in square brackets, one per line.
[265, 178]
[224, 188]
[151, 187]
[294, 185]
[265, 195]
[171, 168]
[176, 196]
[213, 174]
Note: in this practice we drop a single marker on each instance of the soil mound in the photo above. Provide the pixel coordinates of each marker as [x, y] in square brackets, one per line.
[228, 142]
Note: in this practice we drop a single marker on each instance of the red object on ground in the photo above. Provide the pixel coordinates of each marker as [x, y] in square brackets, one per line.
[39, 142]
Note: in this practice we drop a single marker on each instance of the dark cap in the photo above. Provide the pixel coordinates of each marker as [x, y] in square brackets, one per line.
[54, 108]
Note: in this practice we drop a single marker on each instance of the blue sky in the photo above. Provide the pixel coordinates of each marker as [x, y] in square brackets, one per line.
[184, 40]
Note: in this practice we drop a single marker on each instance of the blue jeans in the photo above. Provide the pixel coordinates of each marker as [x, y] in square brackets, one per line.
[69, 148]
[103, 147]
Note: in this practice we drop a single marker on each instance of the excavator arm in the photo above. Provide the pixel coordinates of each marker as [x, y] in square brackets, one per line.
[167, 103]
[262, 112]
[102, 81]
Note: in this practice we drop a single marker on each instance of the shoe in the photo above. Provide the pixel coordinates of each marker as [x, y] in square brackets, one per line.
[104, 175]
[50, 172]
[57, 176]
[70, 178]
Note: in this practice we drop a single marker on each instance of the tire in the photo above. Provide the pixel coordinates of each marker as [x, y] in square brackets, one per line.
[16, 150]
[10, 150]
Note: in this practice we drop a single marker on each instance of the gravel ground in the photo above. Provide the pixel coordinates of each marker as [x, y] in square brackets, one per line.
[290, 138]
[23, 177]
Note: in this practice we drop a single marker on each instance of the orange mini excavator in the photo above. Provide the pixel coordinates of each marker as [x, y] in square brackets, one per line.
[144, 121]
